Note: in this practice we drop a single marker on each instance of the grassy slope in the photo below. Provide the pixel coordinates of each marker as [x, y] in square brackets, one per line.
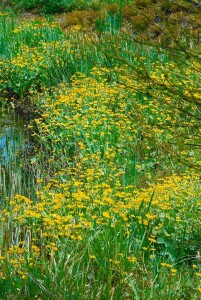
[103, 128]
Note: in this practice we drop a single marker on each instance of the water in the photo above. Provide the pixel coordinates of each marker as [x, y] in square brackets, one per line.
[12, 136]
[14, 148]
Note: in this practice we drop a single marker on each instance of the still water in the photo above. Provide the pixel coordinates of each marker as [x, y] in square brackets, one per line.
[12, 135]
[13, 156]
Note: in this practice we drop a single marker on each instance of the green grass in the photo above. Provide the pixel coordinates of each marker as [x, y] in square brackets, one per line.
[103, 206]
[50, 6]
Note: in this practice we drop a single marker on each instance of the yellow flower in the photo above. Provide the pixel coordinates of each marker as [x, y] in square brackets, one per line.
[195, 267]
[173, 271]
[131, 258]
[152, 240]
[163, 264]
[106, 215]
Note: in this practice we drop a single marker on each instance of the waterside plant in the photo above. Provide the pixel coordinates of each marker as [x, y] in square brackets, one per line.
[110, 205]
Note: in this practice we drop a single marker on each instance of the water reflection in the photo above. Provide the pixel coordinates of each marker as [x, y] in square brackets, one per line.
[12, 135]
[16, 174]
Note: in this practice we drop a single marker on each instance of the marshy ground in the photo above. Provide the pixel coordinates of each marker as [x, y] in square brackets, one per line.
[104, 202]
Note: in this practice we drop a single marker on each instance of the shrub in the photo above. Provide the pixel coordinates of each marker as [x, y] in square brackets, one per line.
[76, 17]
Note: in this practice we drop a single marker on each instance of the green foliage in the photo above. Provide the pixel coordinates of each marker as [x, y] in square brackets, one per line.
[112, 22]
[91, 213]
[51, 6]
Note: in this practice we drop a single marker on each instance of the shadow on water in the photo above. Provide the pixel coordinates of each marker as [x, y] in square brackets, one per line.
[15, 174]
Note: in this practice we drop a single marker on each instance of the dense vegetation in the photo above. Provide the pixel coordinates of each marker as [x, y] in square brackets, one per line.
[107, 204]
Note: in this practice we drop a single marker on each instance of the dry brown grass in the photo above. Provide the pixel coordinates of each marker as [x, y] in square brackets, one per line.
[76, 17]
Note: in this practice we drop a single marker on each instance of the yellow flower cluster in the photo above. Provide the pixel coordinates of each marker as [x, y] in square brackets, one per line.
[107, 140]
